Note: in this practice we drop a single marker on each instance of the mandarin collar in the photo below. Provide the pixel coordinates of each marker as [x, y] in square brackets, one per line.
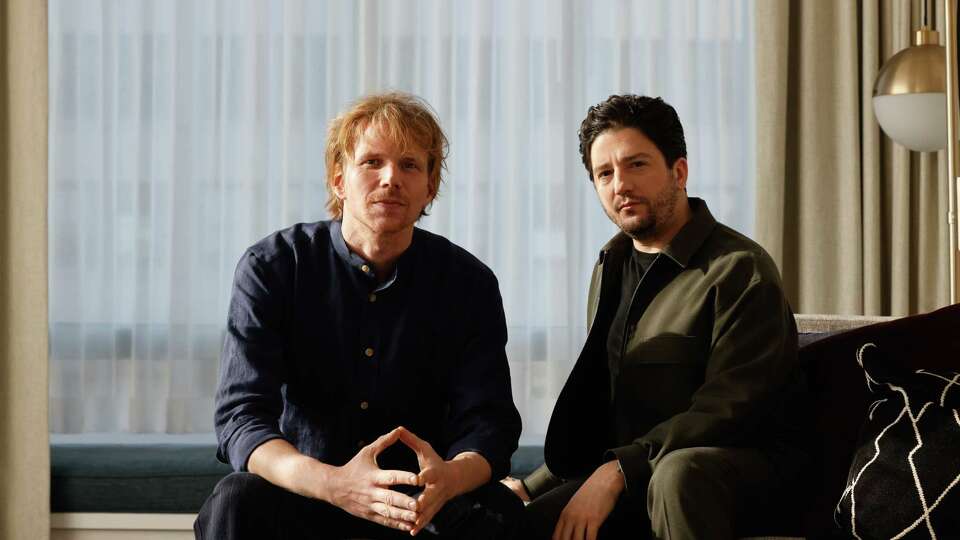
[360, 264]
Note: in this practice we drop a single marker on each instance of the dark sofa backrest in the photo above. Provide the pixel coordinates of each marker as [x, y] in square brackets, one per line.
[840, 397]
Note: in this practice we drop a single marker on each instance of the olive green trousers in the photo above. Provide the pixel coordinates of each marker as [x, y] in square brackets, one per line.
[693, 493]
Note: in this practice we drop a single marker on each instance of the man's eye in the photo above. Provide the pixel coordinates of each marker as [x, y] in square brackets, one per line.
[372, 162]
[411, 165]
[639, 163]
[603, 174]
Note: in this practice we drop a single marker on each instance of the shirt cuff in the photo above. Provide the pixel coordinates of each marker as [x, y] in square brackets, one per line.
[634, 466]
[499, 468]
[245, 442]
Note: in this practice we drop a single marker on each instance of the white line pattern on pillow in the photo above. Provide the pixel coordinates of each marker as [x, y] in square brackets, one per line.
[850, 490]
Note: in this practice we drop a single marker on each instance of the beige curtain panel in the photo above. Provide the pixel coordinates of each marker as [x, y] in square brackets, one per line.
[856, 222]
[24, 451]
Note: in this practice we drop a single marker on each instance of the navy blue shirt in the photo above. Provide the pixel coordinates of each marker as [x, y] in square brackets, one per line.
[320, 354]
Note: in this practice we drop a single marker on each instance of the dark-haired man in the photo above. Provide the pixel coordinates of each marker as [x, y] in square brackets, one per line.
[677, 416]
[352, 339]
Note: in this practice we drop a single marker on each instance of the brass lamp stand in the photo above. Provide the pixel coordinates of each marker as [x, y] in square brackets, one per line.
[953, 175]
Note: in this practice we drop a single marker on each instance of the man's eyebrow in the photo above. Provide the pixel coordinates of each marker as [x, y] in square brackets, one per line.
[367, 154]
[636, 156]
[601, 165]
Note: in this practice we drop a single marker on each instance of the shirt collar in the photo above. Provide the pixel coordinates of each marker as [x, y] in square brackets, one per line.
[356, 262]
[684, 244]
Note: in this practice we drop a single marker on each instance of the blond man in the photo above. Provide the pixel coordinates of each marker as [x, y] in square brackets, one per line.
[364, 388]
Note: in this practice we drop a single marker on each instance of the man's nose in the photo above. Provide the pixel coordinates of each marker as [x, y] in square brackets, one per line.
[388, 175]
[620, 185]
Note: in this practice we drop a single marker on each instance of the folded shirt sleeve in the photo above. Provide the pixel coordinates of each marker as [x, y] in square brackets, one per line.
[248, 401]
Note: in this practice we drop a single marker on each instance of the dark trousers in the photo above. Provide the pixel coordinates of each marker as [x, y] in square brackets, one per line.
[693, 493]
[244, 505]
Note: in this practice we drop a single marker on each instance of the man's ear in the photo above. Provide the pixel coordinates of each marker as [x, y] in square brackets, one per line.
[337, 182]
[679, 171]
[432, 194]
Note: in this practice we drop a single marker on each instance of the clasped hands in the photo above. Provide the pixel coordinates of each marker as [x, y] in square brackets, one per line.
[363, 489]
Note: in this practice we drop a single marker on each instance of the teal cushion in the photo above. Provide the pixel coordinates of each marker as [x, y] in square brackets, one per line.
[157, 477]
[526, 460]
[163, 478]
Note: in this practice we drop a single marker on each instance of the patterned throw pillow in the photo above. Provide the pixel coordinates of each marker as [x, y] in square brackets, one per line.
[904, 476]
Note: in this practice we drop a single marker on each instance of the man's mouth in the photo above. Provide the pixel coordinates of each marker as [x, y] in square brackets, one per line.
[390, 202]
[629, 204]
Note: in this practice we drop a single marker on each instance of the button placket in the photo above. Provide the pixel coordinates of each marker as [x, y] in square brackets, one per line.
[370, 354]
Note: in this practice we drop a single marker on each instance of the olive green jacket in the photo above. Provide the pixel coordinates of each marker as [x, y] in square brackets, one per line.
[712, 360]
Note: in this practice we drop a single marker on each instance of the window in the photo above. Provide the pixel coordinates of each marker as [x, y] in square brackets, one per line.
[182, 132]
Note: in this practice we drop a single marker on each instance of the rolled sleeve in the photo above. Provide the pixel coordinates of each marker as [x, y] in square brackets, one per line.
[245, 441]
[252, 369]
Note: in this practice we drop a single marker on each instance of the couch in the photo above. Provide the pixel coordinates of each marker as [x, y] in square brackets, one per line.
[125, 490]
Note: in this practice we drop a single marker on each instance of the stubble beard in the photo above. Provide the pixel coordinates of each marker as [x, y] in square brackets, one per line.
[659, 213]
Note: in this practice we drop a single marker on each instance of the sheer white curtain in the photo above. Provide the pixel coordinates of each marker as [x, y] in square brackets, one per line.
[184, 131]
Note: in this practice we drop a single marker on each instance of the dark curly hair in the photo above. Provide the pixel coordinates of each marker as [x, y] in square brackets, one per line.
[654, 117]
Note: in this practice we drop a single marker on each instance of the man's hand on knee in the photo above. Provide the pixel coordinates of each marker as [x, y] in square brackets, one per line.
[591, 504]
[361, 488]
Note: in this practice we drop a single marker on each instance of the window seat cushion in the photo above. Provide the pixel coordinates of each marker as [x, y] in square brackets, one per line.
[124, 476]
[155, 474]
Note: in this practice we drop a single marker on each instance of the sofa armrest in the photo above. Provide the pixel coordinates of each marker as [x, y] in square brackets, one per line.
[817, 324]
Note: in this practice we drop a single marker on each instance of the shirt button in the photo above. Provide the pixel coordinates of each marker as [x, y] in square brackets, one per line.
[364, 405]
[372, 297]
[365, 268]
[368, 352]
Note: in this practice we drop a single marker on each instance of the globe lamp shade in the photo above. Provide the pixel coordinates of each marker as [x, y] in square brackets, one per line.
[909, 97]
[917, 121]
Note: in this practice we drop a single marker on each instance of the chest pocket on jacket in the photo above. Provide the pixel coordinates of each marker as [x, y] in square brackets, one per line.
[658, 377]
[666, 349]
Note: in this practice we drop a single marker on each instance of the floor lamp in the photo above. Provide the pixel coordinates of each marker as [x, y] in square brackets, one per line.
[915, 91]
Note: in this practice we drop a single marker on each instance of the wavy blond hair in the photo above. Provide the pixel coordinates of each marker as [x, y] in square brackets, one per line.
[404, 119]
